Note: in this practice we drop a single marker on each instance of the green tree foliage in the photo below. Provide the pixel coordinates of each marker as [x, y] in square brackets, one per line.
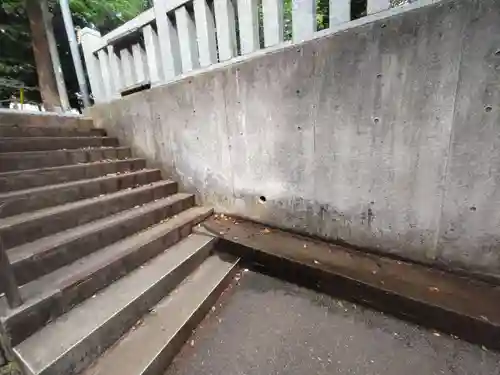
[16, 57]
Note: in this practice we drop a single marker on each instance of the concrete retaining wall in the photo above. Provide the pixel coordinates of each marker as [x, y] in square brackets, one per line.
[384, 136]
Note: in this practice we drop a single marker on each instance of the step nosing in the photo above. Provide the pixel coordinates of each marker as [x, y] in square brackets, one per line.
[11, 221]
[78, 270]
[72, 150]
[69, 166]
[63, 185]
[74, 233]
[144, 279]
[52, 137]
[205, 281]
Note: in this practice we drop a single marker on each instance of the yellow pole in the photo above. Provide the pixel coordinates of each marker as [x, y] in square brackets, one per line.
[21, 97]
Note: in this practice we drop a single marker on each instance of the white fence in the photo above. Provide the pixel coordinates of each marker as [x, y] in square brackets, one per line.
[178, 36]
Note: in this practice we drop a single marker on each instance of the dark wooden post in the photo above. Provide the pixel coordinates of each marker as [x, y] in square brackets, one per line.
[7, 276]
[43, 60]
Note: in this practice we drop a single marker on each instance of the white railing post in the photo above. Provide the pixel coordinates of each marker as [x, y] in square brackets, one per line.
[116, 71]
[303, 19]
[226, 28]
[248, 18]
[186, 30]
[91, 39]
[205, 30]
[273, 21]
[106, 74]
[340, 11]
[153, 54]
[139, 57]
[169, 42]
[127, 67]
[375, 6]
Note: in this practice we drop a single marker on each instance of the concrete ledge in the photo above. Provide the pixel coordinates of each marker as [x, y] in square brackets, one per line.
[456, 305]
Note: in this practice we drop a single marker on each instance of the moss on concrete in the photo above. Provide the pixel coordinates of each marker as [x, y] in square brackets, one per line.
[10, 369]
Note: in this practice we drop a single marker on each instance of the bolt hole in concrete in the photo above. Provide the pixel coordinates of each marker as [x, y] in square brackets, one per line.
[497, 53]
[488, 108]
[262, 199]
[376, 120]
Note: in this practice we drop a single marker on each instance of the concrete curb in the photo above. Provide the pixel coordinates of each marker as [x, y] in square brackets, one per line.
[412, 292]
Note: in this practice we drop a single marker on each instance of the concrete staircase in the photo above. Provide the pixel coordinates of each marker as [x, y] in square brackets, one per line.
[101, 247]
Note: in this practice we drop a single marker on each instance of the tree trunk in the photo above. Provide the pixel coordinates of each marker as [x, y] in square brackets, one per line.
[46, 79]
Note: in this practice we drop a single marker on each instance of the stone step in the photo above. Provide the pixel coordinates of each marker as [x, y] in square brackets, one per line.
[20, 201]
[454, 304]
[20, 144]
[29, 226]
[71, 342]
[39, 131]
[143, 351]
[26, 179]
[53, 294]
[35, 259]
[44, 119]
[14, 161]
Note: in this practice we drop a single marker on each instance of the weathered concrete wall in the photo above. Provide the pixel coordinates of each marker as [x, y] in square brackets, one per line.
[383, 136]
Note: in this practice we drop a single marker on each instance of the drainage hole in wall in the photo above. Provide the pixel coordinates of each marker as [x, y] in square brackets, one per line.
[488, 108]
[262, 199]
[376, 120]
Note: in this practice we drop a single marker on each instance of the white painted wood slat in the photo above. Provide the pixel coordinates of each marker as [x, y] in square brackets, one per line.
[226, 28]
[340, 11]
[169, 42]
[187, 39]
[248, 18]
[90, 40]
[303, 19]
[139, 58]
[116, 74]
[375, 6]
[106, 74]
[153, 54]
[273, 22]
[205, 31]
[127, 67]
